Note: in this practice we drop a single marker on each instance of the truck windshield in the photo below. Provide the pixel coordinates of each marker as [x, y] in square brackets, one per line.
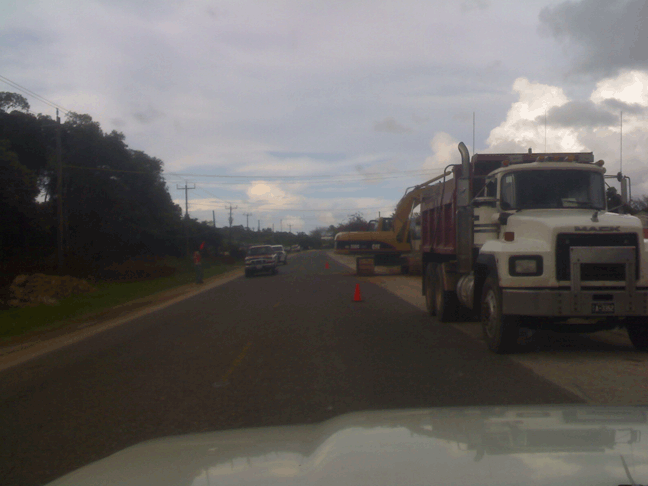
[536, 189]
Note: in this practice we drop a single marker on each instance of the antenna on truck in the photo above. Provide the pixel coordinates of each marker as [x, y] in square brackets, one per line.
[621, 143]
[473, 146]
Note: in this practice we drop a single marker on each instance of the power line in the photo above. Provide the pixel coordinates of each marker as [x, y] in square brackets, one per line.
[315, 210]
[357, 178]
[17, 86]
[305, 177]
[106, 169]
[306, 181]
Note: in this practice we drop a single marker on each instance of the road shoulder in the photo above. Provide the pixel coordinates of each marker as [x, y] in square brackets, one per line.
[601, 368]
[22, 350]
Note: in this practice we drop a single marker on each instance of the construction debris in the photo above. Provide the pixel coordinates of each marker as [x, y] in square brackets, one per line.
[37, 289]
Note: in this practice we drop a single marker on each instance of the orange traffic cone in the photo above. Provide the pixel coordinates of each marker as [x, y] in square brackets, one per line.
[326, 266]
[357, 297]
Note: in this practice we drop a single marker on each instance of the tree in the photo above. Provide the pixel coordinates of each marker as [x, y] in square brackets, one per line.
[17, 200]
[356, 222]
[9, 101]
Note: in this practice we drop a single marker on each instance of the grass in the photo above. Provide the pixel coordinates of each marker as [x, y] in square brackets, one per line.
[19, 321]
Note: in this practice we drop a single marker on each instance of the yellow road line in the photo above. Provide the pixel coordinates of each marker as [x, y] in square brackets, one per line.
[235, 363]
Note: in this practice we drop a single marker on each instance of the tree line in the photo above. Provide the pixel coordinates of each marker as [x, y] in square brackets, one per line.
[116, 204]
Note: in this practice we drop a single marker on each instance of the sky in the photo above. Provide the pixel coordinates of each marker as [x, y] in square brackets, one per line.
[300, 113]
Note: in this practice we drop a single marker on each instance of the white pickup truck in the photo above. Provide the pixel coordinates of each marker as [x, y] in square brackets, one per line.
[260, 259]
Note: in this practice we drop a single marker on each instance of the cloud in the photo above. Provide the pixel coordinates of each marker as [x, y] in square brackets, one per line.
[148, 115]
[582, 125]
[521, 129]
[268, 194]
[603, 36]
[390, 125]
[578, 114]
[444, 152]
[469, 5]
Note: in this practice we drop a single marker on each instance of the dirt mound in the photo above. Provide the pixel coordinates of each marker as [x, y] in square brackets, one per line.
[36, 289]
[137, 269]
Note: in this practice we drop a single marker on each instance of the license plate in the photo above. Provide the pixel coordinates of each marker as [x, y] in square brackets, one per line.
[603, 308]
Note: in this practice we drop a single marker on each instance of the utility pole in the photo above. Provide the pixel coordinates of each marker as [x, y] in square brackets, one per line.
[214, 216]
[273, 227]
[247, 220]
[59, 191]
[186, 189]
[281, 225]
[259, 225]
[230, 222]
[290, 226]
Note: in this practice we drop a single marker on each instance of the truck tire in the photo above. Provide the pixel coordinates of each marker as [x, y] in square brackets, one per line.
[429, 288]
[500, 331]
[638, 332]
[275, 271]
[248, 274]
[446, 303]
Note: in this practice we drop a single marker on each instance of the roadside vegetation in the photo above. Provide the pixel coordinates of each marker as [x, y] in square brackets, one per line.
[107, 296]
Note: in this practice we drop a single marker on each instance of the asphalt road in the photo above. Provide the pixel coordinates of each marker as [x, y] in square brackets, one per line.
[271, 350]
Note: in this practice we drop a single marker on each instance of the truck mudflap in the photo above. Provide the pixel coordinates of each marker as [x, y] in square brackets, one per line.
[565, 303]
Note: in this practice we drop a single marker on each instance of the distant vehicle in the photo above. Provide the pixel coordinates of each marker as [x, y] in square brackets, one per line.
[295, 248]
[260, 259]
[282, 256]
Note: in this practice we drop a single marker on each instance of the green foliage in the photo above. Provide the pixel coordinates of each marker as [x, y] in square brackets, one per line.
[17, 200]
[356, 222]
[82, 307]
[115, 200]
[13, 101]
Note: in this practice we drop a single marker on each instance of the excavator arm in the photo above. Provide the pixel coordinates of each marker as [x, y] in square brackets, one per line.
[413, 196]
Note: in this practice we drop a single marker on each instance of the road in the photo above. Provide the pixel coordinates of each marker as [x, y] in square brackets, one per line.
[271, 350]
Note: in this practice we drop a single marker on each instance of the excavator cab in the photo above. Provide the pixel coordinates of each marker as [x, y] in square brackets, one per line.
[381, 224]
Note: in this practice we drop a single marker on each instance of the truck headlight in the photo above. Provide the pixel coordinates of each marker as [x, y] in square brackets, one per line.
[525, 266]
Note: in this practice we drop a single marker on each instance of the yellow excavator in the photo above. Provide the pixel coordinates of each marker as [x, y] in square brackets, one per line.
[388, 238]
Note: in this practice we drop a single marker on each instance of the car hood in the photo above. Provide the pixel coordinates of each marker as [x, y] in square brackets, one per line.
[576, 445]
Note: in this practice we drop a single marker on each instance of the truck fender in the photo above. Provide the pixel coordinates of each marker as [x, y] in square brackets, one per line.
[484, 266]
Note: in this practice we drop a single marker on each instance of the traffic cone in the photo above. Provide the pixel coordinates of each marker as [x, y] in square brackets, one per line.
[357, 297]
[326, 265]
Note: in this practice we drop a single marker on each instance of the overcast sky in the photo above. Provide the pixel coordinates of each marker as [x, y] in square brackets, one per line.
[317, 109]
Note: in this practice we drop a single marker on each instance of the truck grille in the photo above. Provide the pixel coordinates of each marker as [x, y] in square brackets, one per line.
[593, 271]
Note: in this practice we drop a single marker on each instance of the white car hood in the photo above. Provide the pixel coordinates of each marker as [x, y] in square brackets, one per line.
[575, 445]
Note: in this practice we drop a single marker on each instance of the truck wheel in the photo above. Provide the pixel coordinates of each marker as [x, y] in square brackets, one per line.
[275, 271]
[248, 274]
[429, 289]
[500, 331]
[638, 332]
[445, 302]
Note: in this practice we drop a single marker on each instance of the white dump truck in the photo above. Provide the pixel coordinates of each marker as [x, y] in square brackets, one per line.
[526, 241]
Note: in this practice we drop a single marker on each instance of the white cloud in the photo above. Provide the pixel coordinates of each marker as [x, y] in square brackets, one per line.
[523, 127]
[444, 152]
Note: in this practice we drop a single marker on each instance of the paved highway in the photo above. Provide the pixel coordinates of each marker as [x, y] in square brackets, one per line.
[271, 350]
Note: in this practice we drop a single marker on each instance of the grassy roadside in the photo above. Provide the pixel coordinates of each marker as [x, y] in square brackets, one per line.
[18, 321]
